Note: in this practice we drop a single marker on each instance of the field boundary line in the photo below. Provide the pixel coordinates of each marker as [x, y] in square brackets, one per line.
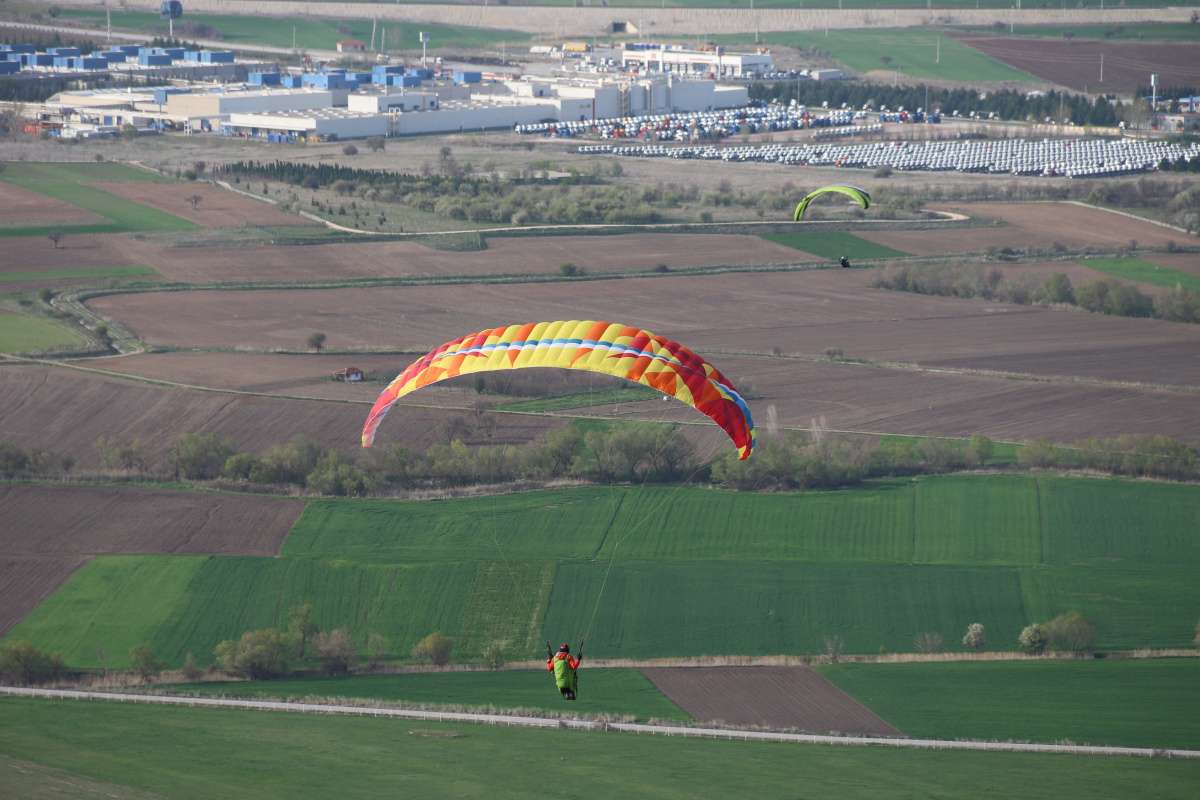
[606, 727]
[1167, 225]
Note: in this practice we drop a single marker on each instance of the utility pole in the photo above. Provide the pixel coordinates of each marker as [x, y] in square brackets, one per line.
[937, 59]
[424, 37]
[1102, 67]
[373, 22]
[107, 24]
[382, 39]
[293, 38]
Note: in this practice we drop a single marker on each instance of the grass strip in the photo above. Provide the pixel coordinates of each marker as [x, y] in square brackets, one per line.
[1140, 270]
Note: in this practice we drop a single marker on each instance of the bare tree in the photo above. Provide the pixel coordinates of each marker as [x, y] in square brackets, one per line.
[335, 650]
[376, 650]
[928, 642]
[55, 237]
[144, 662]
[834, 646]
[195, 201]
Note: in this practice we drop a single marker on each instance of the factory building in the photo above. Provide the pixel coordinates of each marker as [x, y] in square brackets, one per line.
[218, 104]
[318, 124]
[716, 62]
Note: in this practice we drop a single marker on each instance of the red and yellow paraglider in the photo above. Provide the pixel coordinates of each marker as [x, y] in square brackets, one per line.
[610, 348]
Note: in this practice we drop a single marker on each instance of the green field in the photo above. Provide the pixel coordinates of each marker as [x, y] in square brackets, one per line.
[1132, 703]
[310, 34]
[674, 571]
[82, 272]
[618, 692]
[68, 182]
[1004, 454]
[833, 245]
[1142, 271]
[24, 334]
[204, 753]
[914, 52]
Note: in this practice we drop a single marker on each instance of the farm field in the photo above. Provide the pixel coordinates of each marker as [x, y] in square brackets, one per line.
[912, 52]
[182, 752]
[1133, 703]
[72, 183]
[310, 34]
[1148, 31]
[617, 692]
[23, 208]
[1076, 64]
[834, 245]
[1026, 225]
[216, 208]
[26, 581]
[798, 313]
[1141, 270]
[875, 565]
[22, 333]
[775, 697]
[33, 414]
[42, 278]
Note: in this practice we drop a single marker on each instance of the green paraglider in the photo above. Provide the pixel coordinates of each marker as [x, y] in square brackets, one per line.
[860, 196]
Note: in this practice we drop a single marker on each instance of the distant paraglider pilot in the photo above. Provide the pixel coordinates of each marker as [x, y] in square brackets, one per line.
[565, 668]
[845, 262]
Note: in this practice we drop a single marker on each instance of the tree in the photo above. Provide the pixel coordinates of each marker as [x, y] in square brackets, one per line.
[928, 642]
[316, 341]
[1056, 289]
[21, 662]
[376, 144]
[200, 456]
[1070, 632]
[191, 672]
[833, 646]
[129, 131]
[980, 449]
[568, 270]
[350, 150]
[55, 237]
[1033, 639]
[974, 637]
[376, 650]
[493, 655]
[258, 654]
[335, 650]
[195, 199]
[434, 649]
[301, 627]
[144, 662]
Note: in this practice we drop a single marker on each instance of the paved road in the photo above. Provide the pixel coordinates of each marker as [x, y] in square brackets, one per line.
[577, 724]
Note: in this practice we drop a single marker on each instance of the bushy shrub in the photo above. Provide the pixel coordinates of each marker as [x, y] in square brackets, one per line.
[256, 655]
[336, 651]
[21, 662]
[1070, 632]
[974, 638]
[434, 649]
[200, 456]
[1033, 639]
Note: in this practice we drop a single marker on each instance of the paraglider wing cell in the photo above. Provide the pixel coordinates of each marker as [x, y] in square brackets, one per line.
[610, 348]
[860, 196]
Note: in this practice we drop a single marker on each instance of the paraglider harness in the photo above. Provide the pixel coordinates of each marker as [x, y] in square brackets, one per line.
[845, 262]
[565, 669]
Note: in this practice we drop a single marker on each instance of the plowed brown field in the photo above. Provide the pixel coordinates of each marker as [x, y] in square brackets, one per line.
[49, 531]
[66, 411]
[25, 207]
[93, 520]
[1077, 64]
[27, 581]
[218, 208]
[1037, 225]
[770, 697]
[804, 312]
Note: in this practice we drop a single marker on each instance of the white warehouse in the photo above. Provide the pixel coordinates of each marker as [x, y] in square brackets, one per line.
[316, 124]
[716, 62]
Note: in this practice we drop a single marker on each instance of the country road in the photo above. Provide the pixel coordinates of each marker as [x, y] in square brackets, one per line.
[589, 725]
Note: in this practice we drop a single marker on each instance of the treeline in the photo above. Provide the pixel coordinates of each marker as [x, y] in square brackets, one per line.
[1006, 103]
[315, 176]
[1101, 296]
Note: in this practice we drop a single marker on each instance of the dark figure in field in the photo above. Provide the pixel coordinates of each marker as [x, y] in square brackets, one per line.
[845, 262]
[564, 666]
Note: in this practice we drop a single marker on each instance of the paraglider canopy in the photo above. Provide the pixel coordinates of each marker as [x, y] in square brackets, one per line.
[860, 196]
[623, 351]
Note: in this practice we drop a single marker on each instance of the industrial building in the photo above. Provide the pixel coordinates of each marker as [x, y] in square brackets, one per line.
[716, 63]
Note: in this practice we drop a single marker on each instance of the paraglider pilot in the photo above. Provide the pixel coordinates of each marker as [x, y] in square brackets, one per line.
[564, 666]
[845, 262]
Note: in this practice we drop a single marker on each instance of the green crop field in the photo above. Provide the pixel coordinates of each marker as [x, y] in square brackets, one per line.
[1132, 703]
[68, 182]
[619, 692]
[82, 272]
[915, 52]
[1148, 31]
[314, 34]
[202, 753]
[1004, 454]
[1143, 271]
[833, 245]
[24, 334]
[674, 571]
